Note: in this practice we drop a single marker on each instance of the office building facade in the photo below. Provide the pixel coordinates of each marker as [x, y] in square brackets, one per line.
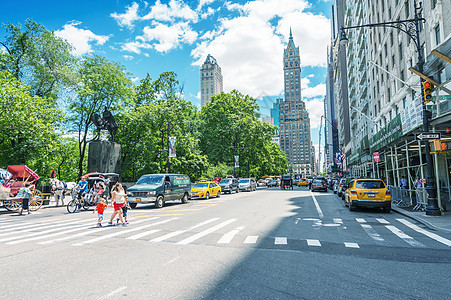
[210, 80]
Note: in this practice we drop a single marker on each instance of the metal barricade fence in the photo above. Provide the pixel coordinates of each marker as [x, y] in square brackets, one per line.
[421, 199]
[399, 196]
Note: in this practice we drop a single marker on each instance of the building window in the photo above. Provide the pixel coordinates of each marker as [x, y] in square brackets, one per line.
[407, 8]
[434, 3]
[437, 34]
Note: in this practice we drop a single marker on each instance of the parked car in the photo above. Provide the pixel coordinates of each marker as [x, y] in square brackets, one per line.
[205, 189]
[341, 183]
[319, 185]
[247, 184]
[335, 186]
[228, 185]
[368, 193]
[159, 188]
[272, 183]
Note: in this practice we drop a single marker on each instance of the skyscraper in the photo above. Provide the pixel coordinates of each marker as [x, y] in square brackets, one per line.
[293, 117]
[210, 79]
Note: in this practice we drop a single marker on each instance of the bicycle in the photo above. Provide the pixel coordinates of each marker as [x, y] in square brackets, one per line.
[77, 201]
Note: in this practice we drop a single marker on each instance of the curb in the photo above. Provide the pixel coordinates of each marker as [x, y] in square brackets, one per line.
[418, 219]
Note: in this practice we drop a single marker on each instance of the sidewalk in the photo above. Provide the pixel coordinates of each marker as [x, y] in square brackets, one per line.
[442, 223]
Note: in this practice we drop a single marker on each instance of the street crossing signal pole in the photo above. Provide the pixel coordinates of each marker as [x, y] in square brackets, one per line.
[412, 29]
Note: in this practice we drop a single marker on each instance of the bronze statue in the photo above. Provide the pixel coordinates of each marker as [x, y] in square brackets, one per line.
[106, 123]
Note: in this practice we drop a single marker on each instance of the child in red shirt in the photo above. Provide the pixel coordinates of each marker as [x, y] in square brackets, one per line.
[100, 208]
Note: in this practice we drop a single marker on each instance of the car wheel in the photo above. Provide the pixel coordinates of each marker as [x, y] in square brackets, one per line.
[159, 202]
[219, 194]
[185, 198]
[133, 205]
[351, 208]
[207, 196]
[386, 209]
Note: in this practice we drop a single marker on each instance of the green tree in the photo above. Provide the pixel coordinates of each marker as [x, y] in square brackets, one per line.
[104, 84]
[38, 58]
[28, 125]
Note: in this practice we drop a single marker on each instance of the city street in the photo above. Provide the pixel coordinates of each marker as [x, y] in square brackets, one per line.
[268, 244]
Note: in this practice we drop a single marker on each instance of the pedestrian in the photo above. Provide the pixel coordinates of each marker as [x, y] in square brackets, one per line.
[310, 183]
[25, 193]
[125, 209]
[417, 183]
[118, 201]
[403, 182]
[100, 208]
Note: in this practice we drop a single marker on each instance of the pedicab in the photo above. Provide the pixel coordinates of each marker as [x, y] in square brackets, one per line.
[20, 175]
[287, 182]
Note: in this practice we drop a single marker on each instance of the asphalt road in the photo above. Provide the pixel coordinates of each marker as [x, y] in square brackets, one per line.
[268, 244]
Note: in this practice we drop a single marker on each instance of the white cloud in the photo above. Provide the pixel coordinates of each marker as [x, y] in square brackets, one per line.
[168, 37]
[249, 47]
[314, 91]
[135, 79]
[127, 57]
[315, 107]
[80, 39]
[126, 19]
[176, 9]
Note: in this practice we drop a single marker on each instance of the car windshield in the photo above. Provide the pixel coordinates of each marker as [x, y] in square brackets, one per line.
[226, 181]
[244, 180]
[156, 180]
[318, 182]
[201, 185]
[369, 185]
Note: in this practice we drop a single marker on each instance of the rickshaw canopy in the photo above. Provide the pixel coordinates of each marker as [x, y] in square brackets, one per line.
[22, 172]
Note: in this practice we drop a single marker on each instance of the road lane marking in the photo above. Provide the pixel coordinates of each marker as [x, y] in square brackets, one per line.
[143, 234]
[42, 232]
[314, 243]
[205, 232]
[320, 212]
[408, 239]
[360, 220]
[46, 236]
[382, 221]
[426, 233]
[88, 232]
[227, 238]
[33, 226]
[113, 293]
[338, 221]
[351, 245]
[280, 241]
[372, 233]
[175, 233]
[125, 231]
[251, 239]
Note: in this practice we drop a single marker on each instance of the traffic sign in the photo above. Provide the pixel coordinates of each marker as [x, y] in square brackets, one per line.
[428, 136]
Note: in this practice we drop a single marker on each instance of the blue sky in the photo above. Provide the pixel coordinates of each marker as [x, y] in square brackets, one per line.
[246, 37]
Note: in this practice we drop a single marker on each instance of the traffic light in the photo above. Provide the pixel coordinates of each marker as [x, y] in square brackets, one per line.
[427, 91]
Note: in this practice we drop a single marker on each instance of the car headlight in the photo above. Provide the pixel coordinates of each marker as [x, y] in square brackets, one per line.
[151, 193]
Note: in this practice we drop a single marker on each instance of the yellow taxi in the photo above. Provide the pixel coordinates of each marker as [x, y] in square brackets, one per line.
[302, 182]
[368, 193]
[205, 190]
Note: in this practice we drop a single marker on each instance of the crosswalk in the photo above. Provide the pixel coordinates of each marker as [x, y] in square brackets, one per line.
[80, 232]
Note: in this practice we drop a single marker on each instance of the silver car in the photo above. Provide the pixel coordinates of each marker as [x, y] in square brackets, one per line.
[247, 184]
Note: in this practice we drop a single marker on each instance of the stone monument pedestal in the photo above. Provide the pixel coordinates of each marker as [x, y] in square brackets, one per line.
[104, 157]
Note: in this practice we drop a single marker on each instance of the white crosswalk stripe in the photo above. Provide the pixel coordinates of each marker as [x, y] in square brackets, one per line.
[372, 233]
[382, 221]
[426, 233]
[175, 233]
[34, 227]
[122, 232]
[143, 234]
[280, 241]
[408, 239]
[351, 245]
[227, 238]
[252, 239]
[360, 220]
[338, 221]
[205, 232]
[314, 243]
[88, 232]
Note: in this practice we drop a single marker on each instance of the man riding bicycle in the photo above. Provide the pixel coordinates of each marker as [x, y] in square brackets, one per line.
[83, 185]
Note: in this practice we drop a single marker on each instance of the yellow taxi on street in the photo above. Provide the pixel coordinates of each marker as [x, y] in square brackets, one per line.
[368, 193]
[302, 182]
[205, 190]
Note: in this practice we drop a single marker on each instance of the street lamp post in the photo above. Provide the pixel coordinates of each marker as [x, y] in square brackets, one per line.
[411, 28]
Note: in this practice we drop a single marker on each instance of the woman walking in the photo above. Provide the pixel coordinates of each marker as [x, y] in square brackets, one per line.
[118, 200]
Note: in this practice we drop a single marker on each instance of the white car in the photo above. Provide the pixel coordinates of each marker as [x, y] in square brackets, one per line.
[247, 184]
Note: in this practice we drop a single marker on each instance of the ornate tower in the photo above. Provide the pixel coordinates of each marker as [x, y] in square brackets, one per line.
[210, 79]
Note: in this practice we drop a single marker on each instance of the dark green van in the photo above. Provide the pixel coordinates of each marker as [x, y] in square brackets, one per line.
[159, 188]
